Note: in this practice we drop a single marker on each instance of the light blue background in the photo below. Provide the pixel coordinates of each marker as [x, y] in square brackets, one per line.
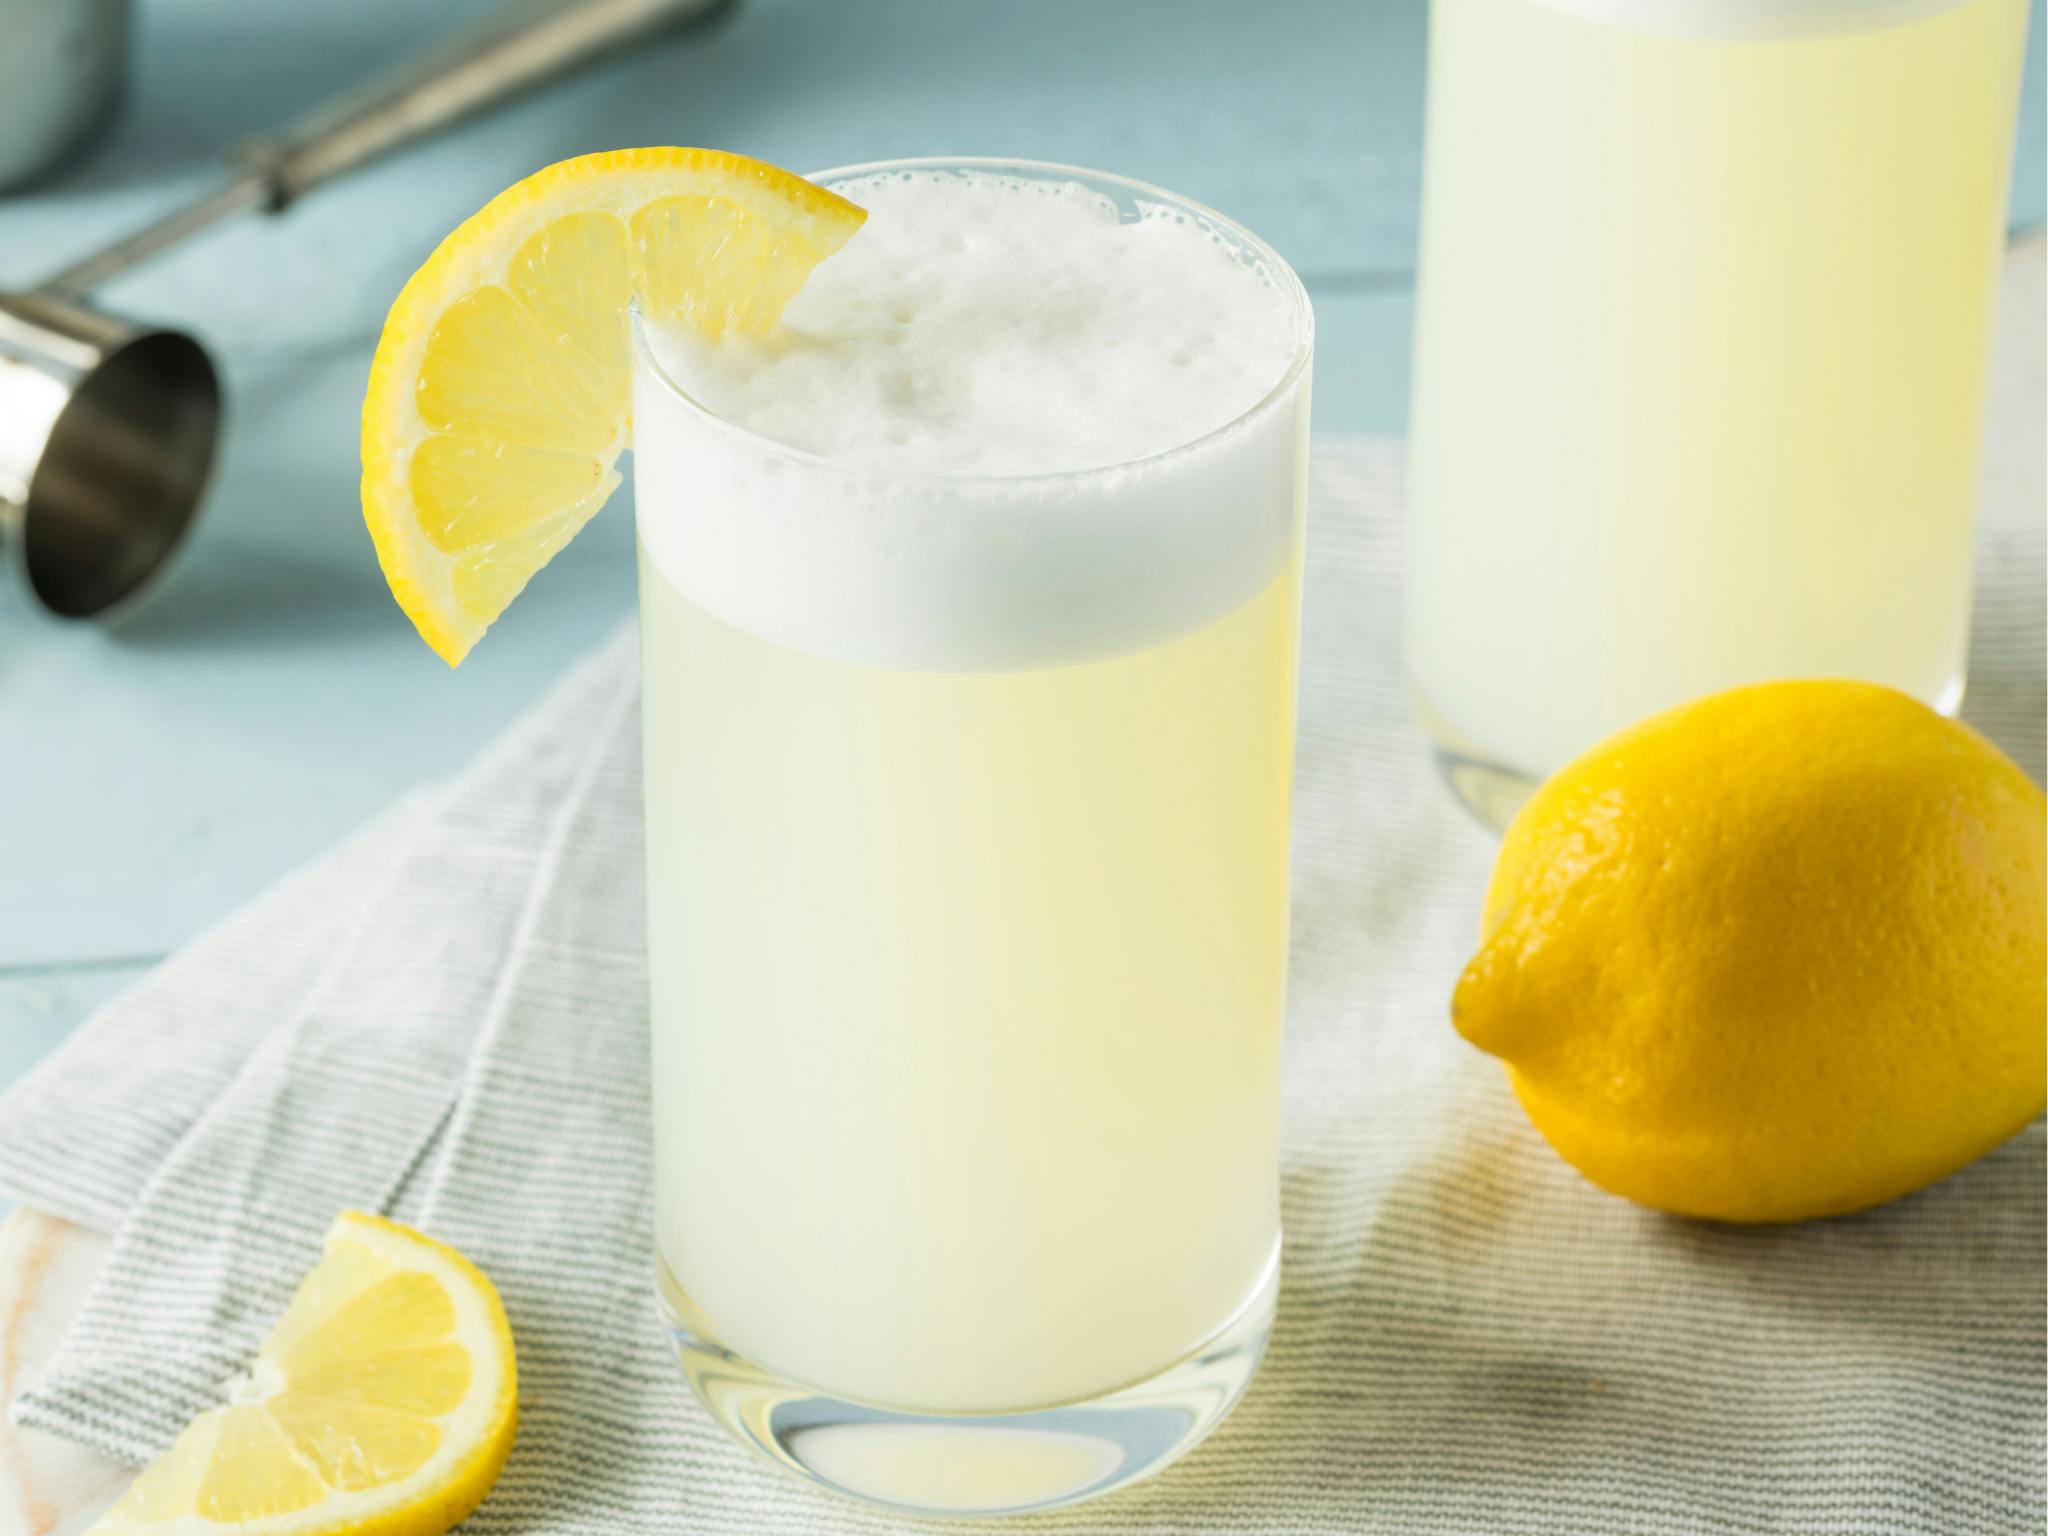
[154, 777]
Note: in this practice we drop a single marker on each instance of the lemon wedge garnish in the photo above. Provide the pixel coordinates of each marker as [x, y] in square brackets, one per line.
[499, 399]
[382, 1404]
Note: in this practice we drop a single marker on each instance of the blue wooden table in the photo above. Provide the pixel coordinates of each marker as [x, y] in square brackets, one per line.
[155, 776]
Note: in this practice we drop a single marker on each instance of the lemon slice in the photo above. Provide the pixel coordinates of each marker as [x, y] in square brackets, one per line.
[384, 1401]
[498, 402]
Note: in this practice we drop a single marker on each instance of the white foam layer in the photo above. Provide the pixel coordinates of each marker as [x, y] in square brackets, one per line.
[1754, 18]
[1031, 431]
[984, 324]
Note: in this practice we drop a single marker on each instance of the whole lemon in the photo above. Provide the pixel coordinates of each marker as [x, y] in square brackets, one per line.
[1777, 953]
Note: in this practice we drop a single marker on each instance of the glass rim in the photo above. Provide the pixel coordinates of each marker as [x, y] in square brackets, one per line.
[1282, 388]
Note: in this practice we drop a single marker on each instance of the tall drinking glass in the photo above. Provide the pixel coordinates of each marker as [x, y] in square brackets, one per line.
[967, 820]
[1706, 290]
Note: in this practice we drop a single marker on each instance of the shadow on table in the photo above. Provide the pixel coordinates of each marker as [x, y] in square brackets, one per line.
[278, 558]
[255, 598]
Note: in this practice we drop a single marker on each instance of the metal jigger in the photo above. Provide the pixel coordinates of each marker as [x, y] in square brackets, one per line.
[106, 434]
[107, 427]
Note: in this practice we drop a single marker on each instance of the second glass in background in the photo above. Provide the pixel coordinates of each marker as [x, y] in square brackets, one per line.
[1704, 313]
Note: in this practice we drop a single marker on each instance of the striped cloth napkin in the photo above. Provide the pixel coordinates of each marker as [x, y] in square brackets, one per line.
[445, 1019]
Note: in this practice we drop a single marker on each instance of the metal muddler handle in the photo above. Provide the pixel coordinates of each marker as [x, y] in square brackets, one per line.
[107, 427]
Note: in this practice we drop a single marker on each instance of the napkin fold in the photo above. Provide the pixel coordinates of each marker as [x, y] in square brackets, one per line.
[445, 1019]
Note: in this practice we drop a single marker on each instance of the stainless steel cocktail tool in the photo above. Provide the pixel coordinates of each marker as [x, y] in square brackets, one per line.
[108, 425]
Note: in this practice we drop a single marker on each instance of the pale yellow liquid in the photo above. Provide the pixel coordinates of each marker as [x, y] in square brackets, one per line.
[1701, 355]
[967, 993]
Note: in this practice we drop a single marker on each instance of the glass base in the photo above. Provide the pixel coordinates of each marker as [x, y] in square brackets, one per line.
[977, 1463]
[1491, 792]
